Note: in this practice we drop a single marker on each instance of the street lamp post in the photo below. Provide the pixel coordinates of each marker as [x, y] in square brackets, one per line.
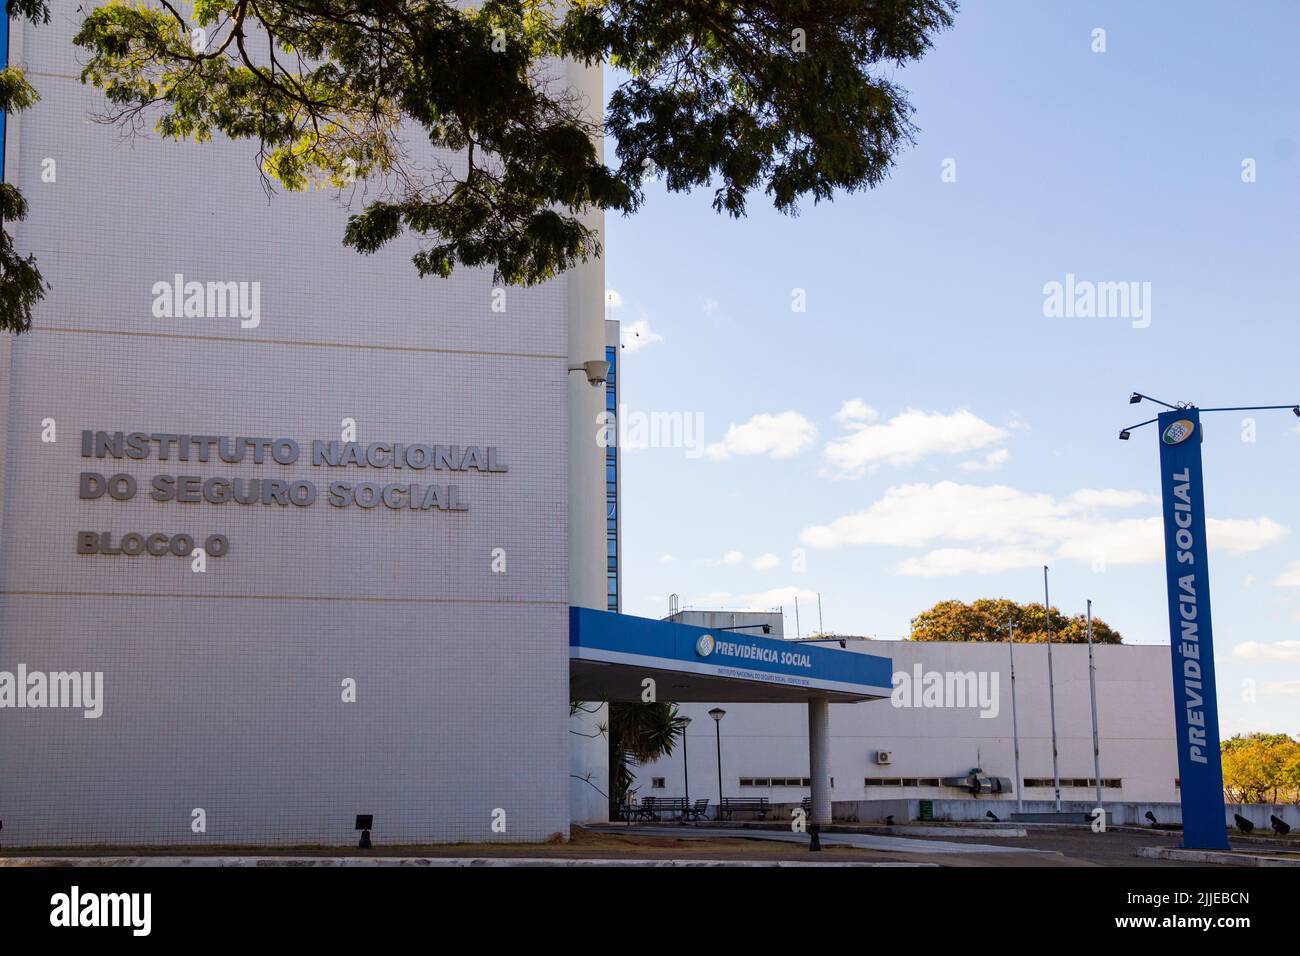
[717, 713]
[686, 769]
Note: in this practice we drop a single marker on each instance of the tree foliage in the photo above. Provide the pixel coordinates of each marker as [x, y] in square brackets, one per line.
[784, 96]
[986, 620]
[21, 283]
[1261, 768]
[638, 733]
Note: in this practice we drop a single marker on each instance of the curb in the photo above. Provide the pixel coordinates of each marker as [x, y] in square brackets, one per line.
[872, 829]
[409, 861]
[1214, 856]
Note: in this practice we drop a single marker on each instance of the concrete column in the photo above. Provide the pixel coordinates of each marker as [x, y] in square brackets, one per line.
[819, 758]
[586, 343]
[589, 750]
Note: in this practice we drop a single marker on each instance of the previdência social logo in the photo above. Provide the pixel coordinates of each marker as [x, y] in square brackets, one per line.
[704, 645]
[1178, 432]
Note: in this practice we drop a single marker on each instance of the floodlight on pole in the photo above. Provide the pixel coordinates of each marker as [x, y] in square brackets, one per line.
[1138, 396]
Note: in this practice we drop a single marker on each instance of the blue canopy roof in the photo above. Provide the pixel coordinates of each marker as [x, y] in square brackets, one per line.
[611, 654]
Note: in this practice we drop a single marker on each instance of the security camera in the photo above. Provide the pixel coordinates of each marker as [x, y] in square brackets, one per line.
[597, 371]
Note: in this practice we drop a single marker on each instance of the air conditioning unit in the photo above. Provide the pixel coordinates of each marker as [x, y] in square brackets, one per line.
[884, 757]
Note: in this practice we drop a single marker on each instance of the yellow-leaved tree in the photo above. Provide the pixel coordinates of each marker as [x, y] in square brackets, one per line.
[986, 620]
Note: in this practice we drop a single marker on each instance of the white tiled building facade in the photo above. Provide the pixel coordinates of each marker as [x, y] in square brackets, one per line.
[224, 691]
[765, 746]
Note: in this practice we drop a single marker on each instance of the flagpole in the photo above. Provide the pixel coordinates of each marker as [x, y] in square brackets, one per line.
[1092, 688]
[1015, 722]
[1051, 690]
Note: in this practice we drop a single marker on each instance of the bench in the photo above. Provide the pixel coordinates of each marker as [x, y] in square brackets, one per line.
[730, 805]
[697, 811]
[655, 808]
[649, 808]
[629, 810]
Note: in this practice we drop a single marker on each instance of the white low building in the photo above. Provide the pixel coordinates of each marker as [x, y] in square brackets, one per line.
[951, 713]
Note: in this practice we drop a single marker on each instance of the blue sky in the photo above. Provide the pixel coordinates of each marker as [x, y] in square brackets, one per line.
[979, 435]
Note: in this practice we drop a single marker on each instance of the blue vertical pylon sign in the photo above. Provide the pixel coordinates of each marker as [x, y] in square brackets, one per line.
[1196, 711]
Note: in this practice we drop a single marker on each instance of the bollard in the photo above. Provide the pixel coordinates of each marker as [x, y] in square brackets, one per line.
[814, 837]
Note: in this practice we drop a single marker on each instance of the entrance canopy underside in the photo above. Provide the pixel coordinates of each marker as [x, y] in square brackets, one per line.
[612, 655]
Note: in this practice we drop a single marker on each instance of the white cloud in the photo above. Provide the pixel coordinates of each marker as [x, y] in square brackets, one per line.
[1236, 723]
[638, 335]
[613, 299]
[666, 559]
[989, 528]
[778, 597]
[916, 515]
[1280, 688]
[733, 557]
[990, 462]
[1241, 536]
[949, 561]
[1141, 540]
[766, 562]
[710, 306]
[855, 413]
[712, 599]
[1284, 651]
[1290, 578]
[1127, 541]
[781, 436]
[907, 438]
[1109, 498]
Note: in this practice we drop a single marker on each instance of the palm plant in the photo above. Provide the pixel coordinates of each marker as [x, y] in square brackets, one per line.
[638, 733]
